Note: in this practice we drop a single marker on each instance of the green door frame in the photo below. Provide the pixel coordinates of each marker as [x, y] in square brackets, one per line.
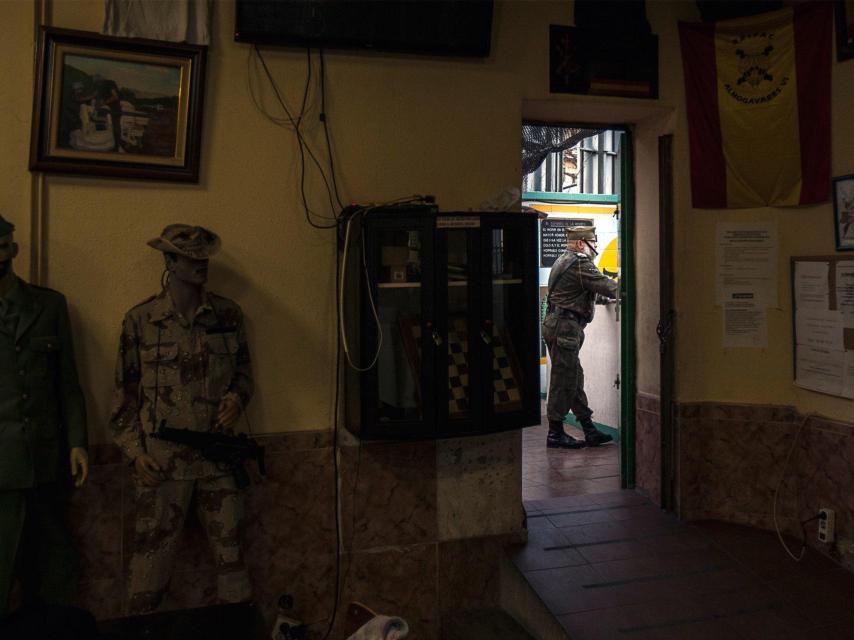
[628, 388]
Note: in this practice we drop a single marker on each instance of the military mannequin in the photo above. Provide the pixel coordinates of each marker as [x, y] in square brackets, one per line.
[574, 283]
[42, 424]
[183, 361]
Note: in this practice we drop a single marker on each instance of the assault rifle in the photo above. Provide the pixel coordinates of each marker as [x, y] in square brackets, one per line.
[223, 449]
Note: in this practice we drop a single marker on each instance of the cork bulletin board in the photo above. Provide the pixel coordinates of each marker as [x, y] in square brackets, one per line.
[823, 324]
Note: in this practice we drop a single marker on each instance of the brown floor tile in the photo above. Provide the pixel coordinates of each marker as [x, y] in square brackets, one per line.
[633, 511]
[621, 498]
[590, 472]
[613, 551]
[566, 503]
[619, 622]
[588, 516]
[542, 555]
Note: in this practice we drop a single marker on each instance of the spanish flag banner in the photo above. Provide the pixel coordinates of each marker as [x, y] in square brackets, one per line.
[758, 101]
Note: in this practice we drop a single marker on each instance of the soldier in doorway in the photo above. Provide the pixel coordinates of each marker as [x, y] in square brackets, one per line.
[42, 436]
[183, 361]
[574, 283]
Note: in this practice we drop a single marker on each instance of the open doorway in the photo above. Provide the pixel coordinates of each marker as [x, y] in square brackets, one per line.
[579, 175]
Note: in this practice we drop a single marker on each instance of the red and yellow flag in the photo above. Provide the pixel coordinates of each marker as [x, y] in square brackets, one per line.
[758, 99]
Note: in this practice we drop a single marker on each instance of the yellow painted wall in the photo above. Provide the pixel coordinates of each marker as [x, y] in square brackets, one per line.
[706, 371]
[400, 125]
[16, 101]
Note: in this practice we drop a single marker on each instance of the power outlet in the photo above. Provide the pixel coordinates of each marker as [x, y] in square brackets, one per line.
[826, 525]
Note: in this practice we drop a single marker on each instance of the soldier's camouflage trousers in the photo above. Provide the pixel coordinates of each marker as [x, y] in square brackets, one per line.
[564, 337]
[160, 516]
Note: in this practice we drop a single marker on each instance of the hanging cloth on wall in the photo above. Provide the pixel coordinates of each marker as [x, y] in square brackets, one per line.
[540, 140]
[757, 94]
[175, 20]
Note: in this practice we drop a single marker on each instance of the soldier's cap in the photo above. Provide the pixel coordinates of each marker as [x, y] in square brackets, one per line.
[197, 243]
[6, 227]
[580, 233]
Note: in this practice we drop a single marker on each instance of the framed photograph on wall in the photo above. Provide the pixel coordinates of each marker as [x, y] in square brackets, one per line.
[843, 212]
[844, 30]
[120, 107]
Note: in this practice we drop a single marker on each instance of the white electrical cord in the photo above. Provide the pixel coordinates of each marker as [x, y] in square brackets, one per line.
[344, 343]
[777, 491]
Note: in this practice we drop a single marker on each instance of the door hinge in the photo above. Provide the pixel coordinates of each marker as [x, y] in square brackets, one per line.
[617, 381]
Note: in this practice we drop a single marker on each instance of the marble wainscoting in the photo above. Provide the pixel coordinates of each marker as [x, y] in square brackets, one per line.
[648, 446]
[422, 528]
[732, 459]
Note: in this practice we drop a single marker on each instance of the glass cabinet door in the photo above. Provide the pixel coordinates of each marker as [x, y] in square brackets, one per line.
[509, 325]
[456, 373]
[397, 333]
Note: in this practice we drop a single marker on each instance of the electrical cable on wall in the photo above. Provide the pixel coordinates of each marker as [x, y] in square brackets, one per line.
[324, 118]
[795, 440]
[342, 331]
[340, 217]
[295, 122]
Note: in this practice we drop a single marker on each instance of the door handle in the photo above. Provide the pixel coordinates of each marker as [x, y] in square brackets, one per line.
[664, 330]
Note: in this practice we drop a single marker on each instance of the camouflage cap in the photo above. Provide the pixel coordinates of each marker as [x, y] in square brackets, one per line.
[197, 243]
[580, 233]
[6, 227]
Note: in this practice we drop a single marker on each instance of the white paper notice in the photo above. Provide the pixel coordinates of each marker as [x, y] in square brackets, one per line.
[811, 289]
[848, 375]
[747, 261]
[745, 321]
[819, 328]
[845, 291]
[820, 370]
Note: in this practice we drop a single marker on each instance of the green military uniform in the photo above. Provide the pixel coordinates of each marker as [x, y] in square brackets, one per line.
[178, 370]
[42, 417]
[574, 283]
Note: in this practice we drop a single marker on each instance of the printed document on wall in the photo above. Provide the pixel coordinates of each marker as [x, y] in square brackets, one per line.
[811, 289]
[747, 261]
[848, 375]
[820, 369]
[745, 321]
[845, 291]
[819, 328]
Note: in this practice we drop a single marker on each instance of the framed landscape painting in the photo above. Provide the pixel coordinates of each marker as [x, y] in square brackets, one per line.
[121, 107]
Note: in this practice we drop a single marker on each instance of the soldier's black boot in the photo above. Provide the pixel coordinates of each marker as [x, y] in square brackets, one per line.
[559, 438]
[592, 436]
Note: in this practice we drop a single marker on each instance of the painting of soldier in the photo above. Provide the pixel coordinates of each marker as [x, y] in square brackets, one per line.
[119, 106]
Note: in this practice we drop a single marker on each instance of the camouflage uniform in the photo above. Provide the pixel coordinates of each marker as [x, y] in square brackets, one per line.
[574, 283]
[179, 369]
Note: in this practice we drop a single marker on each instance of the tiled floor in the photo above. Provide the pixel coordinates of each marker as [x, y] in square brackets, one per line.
[554, 473]
[611, 565]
